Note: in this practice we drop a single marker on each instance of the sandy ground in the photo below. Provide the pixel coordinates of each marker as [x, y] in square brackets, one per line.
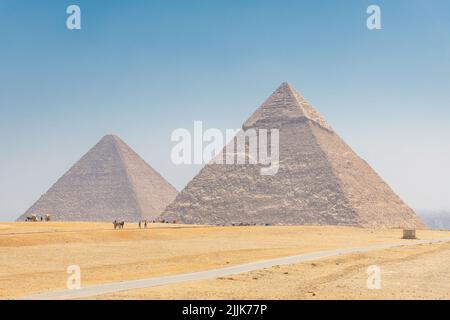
[34, 258]
[406, 273]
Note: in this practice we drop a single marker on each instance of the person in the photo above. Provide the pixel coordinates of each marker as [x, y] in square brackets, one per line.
[139, 224]
[42, 218]
[145, 223]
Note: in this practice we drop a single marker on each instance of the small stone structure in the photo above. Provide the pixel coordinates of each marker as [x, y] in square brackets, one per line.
[409, 234]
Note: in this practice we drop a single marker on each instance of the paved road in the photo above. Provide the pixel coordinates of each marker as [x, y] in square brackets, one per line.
[96, 290]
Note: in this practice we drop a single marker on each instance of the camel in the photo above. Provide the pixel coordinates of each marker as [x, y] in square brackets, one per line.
[32, 218]
[118, 225]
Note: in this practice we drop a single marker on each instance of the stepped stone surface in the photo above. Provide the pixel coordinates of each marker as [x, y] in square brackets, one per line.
[109, 182]
[320, 179]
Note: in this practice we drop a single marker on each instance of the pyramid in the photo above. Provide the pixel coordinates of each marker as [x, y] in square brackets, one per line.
[320, 180]
[109, 182]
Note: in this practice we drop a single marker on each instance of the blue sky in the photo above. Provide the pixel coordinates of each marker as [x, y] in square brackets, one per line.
[141, 69]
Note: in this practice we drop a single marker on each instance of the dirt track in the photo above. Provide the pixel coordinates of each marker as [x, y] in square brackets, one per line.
[419, 272]
[125, 286]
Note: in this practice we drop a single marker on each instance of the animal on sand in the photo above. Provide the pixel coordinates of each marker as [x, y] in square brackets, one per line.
[32, 218]
[118, 225]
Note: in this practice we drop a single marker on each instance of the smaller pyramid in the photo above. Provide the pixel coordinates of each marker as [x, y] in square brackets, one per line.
[109, 182]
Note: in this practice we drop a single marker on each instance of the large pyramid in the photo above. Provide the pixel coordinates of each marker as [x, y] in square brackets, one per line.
[109, 182]
[320, 179]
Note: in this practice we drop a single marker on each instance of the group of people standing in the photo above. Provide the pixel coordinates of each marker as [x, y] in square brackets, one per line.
[145, 222]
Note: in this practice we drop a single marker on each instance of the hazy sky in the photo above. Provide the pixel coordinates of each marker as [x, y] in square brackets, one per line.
[141, 69]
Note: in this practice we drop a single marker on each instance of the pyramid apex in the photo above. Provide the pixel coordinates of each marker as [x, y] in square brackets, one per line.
[110, 138]
[285, 105]
[284, 86]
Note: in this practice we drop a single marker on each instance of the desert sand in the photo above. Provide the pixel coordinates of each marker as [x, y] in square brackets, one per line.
[35, 256]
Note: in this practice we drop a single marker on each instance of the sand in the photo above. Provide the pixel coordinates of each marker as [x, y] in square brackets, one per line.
[406, 273]
[34, 258]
